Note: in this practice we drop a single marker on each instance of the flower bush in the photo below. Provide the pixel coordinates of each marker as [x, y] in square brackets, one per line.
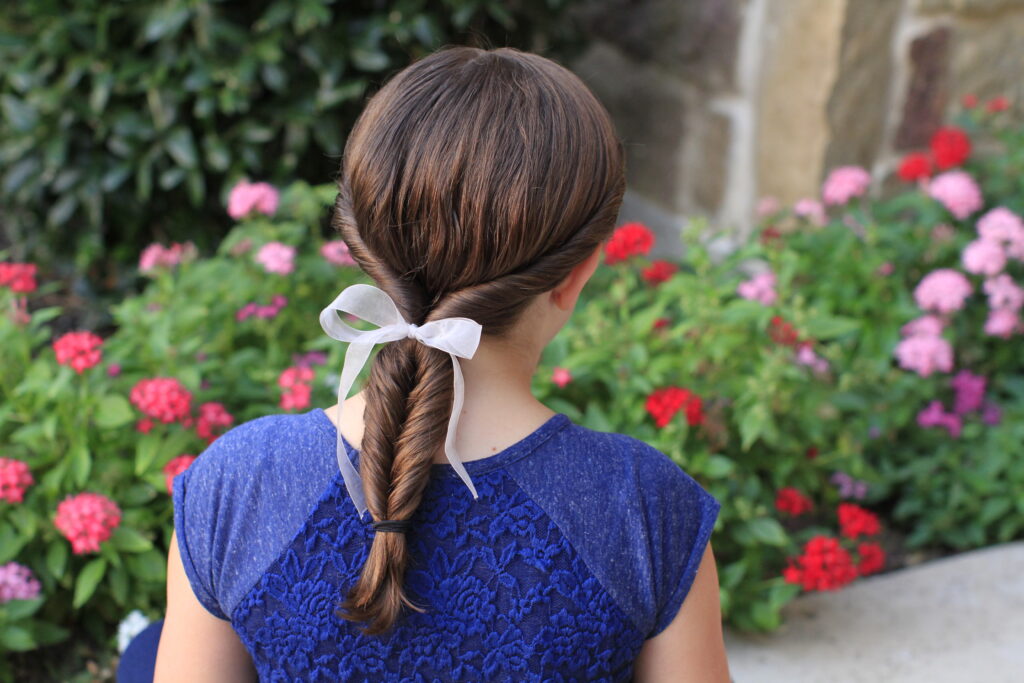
[846, 383]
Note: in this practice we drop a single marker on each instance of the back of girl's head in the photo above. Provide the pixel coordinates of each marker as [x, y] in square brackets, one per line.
[473, 181]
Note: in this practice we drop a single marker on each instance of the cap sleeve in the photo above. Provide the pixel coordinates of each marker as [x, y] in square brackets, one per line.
[195, 498]
[680, 530]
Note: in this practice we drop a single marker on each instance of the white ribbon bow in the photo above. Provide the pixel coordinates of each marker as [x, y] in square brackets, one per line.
[458, 337]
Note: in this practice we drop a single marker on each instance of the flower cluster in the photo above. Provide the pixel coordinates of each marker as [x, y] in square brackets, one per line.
[792, 502]
[277, 302]
[212, 421]
[812, 210]
[957, 191]
[824, 565]
[663, 404]
[855, 521]
[87, 519]
[20, 278]
[844, 183]
[943, 290]
[805, 355]
[80, 350]
[782, 331]
[246, 197]
[631, 239]
[336, 252]
[162, 398]
[158, 256]
[561, 377]
[174, 467]
[759, 288]
[295, 381]
[17, 582]
[276, 257]
[935, 415]
[923, 349]
[658, 272]
[949, 147]
[15, 477]
[848, 486]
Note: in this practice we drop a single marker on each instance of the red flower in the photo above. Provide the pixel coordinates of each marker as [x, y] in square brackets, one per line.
[824, 565]
[561, 377]
[296, 398]
[970, 101]
[294, 375]
[950, 147]
[812, 452]
[771, 237]
[782, 332]
[87, 519]
[658, 272]
[20, 277]
[80, 350]
[211, 416]
[144, 425]
[997, 104]
[174, 467]
[162, 398]
[663, 404]
[792, 502]
[661, 323]
[632, 239]
[915, 166]
[872, 558]
[855, 521]
[15, 477]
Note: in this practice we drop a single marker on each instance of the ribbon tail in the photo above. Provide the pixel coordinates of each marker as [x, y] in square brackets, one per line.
[453, 423]
[355, 359]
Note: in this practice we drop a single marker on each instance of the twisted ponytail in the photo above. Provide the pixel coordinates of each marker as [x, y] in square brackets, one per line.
[473, 181]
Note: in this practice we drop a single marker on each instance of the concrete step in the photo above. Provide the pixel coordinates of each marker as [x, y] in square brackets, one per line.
[960, 618]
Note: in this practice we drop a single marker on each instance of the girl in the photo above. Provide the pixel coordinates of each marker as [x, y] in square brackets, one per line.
[443, 524]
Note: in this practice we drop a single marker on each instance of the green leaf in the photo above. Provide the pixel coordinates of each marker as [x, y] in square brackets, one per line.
[113, 412]
[17, 638]
[88, 579]
[19, 609]
[81, 463]
[182, 147]
[145, 452]
[830, 327]
[119, 583]
[21, 115]
[165, 21]
[48, 634]
[719, 466]
[762, 530]
[57, 558]
[129, 540]
[148, 566]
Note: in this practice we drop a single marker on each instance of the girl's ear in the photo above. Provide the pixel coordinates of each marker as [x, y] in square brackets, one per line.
[564, 295]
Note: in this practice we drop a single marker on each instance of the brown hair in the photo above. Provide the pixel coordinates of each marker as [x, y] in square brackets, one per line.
[473, 181]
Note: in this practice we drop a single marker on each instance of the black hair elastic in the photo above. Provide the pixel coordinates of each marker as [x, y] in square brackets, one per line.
[398, 526]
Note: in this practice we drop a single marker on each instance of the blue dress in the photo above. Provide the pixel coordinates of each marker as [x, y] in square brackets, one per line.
[581, 546]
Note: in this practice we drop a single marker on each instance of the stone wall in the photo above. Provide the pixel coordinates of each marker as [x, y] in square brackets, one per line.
[720, 102]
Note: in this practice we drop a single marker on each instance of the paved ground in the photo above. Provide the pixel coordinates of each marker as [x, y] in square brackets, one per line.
[956, 619]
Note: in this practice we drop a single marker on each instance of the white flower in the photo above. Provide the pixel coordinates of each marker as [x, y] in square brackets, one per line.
[131, 626]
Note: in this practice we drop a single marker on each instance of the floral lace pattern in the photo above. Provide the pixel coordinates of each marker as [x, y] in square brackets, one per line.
[507, 598]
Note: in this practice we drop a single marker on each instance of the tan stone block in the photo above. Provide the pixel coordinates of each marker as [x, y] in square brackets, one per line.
[988, 57]
[710, 169]
[967, 6]
[927, 95]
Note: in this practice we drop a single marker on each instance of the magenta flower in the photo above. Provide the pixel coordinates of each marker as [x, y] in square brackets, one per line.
[17, 582]
[276, 257]
[970, 391]
[845, 183]
[943, 290]
[246, 197]
[991, 414]
[934, 415]
[561, 377]
[336, 252]
[1003, 292]
[984, 257]
[759, 288]
[957, 191]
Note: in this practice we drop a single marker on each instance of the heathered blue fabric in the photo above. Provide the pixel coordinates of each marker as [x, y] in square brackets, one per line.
[581, 546]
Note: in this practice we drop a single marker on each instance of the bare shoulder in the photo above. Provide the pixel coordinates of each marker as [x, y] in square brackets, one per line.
[691, 648]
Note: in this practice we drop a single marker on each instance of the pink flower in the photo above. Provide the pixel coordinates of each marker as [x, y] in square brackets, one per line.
[87, 519]
[1004, 227]
[337, 252]
[293, 376]
[246, 311]
[305, 360]
[991, 414]
[80, 350]
[1003, 292]
[943, 290]
[759, 288]
[957, 191]
[1002, 322]
[174, 467]
[19, 277]
[925, 354]
[885, 269]
[805, 356]
[561, 377]
[162, 398]
[766, 206]
[297, 398]
[157, 256]
[246, 197]
[926, 325]
[845, 183]
[15, 478]
[934, 415]
[984, 257]
[812, 210]
[970, 390]
[213, 419]
[17, 582]
[276, 257]
[113, 370]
